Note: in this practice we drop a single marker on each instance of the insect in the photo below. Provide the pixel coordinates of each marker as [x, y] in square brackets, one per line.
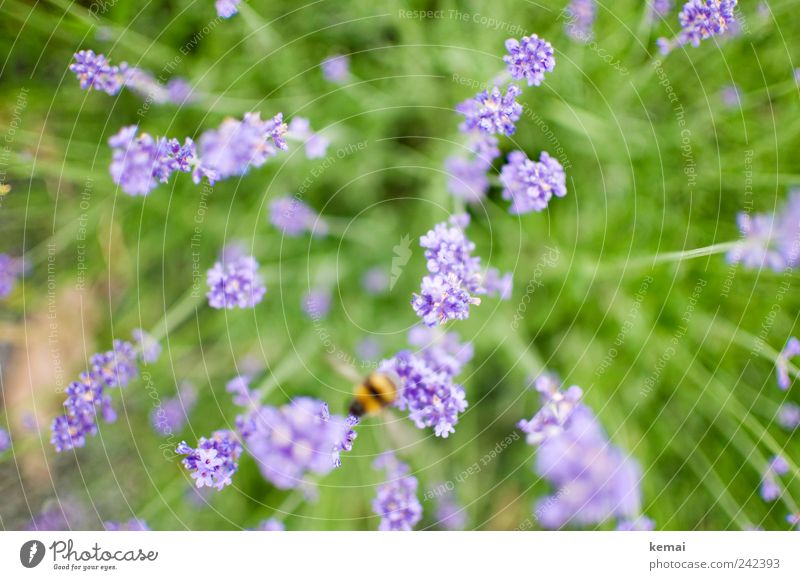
[374, 393]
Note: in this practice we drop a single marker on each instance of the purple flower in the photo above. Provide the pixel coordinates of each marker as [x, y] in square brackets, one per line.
[557, 408]
[529, 58]
[170, 416]
[791, 350]
[492, 112]
[640, 524]
[368, 349]
[293, 217]
[58, 515]
[214, 461]
[315, 144]
[789, 416]
[467, 179]
[5, 441]
[295, 440]
[701, 19]
[239, 387]
[317, 303]
[148, 347]
[769, 241]
[236, 146]
[794, 520]
[530, 185]
[495, 284]
[660, 7]
[9, 271]
[441, 299]
[336, 68]
[431, 397]
[731, 96]
[179, 91]
[227, 8]
[396, 502]
[449, 514]
[235, 284]
[95, 72]
[375, 280]
[271, 525]
[442, 351]
[346, 442]
[132, 525]
[580, 15]
[770, 488]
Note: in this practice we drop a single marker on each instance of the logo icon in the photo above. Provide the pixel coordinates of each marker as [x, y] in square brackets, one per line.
[402, 254]
[31, 553]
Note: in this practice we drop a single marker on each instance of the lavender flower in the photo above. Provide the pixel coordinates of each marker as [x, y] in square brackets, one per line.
[529, 58]
[239, 387]
[467, 179]
[236, 146]
[431, 397]
[375, 280]
[148, 347]
[789, 416]
[492, 112]
[214, 461]
[443, 352]
[179, 90]
[58, 515]
[132, 525]
[449, 514]
[368, 349]
[580, 15]
[660, 8]
[770, 488]
[236, 284]
[315, 144]
[496, 284]
[701, 19]
[557, 408]
[9, 270]
[95, 72]
[396, 502]
[227, 8]
[271, 525]
[294, 440]
[640, 524]
[317, 303]
[170, 416]
[791, 350]
[346, 443]
[794, 520]
[293, 217]
[530, 185]
[731, 96]
[5, 441]
[442, 298]
[336, 68]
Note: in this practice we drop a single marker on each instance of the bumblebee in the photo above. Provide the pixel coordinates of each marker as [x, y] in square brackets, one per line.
[374, 393]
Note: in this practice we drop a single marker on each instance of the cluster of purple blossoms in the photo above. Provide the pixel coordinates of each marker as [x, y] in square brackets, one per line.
[89, 395]
[770, 488]
[140, 163]
[530, 185]
[227, 8]
[442, 351]
[132, 525]
[529, 58]
[147, 347]
[557, 408]
[467, 176]
[239, 387]
[492, 112]
[171, 415]
[497, 284]
[5, 441]
[580, 16]
[640, 524]
[235, 146]
[791, 350]
[9, 271]
[235, 284]
[771, 241]
[396, 502]
[95, 72]
[595, 480]
[315, 144]
[58, 515]
[336, 68]
[789, 416]
[294, 217]
[271, 525]
[449, 514]
[699, 20]
[316, 303]
[214, 461]
[294, 440]
[454, 274]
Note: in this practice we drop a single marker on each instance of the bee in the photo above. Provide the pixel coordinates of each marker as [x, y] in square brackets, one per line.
[374, 393]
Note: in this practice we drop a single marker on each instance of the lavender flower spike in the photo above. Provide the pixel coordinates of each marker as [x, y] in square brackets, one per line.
[529, 58]
[791, 350]
[293, 217]
[492, 112]
[95, 72]
[396, 502]
[557, 407]
[336, 68]
[530, 185]
[227, 8]
[214, 461]
[789, 416]
[9, 271]
[235, 284]
[580, 16]
[701, 19]
[5, 441]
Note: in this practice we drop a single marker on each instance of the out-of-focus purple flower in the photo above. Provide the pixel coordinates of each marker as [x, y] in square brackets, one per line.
[375, 280]
[336, 68]
[789, 416]
[498, 285]
[699, 20]
[317, 303]
[769, 241]
[227, 8]
[794, 520]
[144, 84]
[731, 96]
[467, 176]
[58, 515]
[770, 488]
[232, 251]
[369, 349]
[530, 185]
[443, 352]
[95, 72]
[659, 8]
[557, 408]
[431, 397]
[5, 441]
[148, 347]
[579, 16]
[396, 502]
[640, 524]
[179, 90]
[492, 112]
[315, 144]
[9, 271]
[171, 415]
[295, 440]
[214, 461]
[791, 350]
[132, 525]
[293, 217]
[236, 284]
[271, 525]
[239, 387]
[529, 58]
[236, 146]
[449, 514]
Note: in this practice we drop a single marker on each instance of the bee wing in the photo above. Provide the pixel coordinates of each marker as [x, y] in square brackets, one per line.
[344, 369]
